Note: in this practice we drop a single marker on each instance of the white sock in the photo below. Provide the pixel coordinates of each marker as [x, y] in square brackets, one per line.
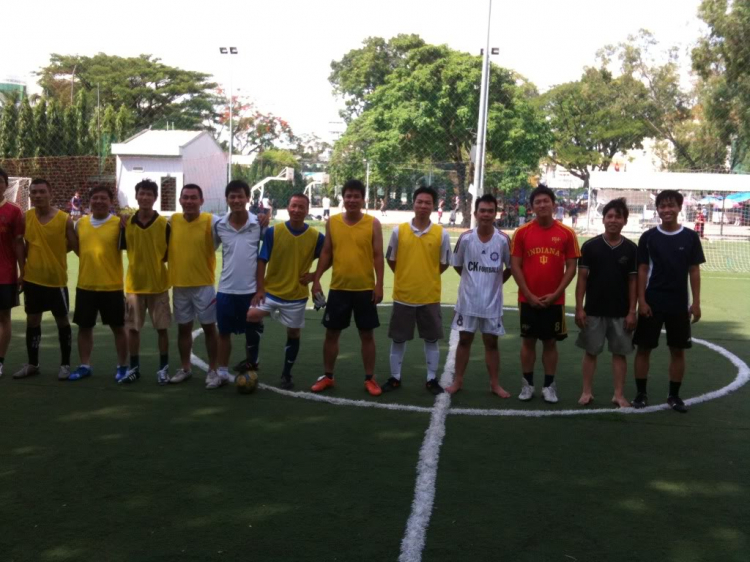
[224, 372]
[398, 349]
[432, 356]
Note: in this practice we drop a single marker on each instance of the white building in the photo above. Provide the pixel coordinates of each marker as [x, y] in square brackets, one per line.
[172, 159]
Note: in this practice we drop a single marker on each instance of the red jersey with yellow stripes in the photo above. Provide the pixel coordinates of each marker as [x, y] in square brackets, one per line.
[544, 251]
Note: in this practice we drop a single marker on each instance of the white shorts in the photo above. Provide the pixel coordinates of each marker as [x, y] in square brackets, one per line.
[191, 303]
[289, 314]
[464, 323]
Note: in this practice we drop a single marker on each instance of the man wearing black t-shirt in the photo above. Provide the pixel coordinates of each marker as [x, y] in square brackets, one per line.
[668, 255]
[607, 277]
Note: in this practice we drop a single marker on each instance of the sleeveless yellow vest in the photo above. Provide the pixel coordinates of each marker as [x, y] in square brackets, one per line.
[147, 272]
[417, 279]
[47, 250]
[353, 264]
[291, 258]
[192, 257]
[99, 255]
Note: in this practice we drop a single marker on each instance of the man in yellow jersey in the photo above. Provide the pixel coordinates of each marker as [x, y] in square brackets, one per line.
[354, 246]
[147, 280]
[282, 282]
[192, 274]
[49, 236]
[100, 287]
[422, 251]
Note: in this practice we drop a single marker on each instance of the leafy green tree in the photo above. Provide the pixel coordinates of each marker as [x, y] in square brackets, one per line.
[57, 142]
[8, 130]
[595, 119]
[25, 144]
[108, 128]
[71, 132]
[155, 93]
[123, 123]
[41, 129]
[84, 141]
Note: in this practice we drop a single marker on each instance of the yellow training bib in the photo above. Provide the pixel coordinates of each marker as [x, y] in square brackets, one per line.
[47, 250]
[353, 265]
[192, 257]
[417, 279]
[147, 272]
[99, 255]
[291, 258]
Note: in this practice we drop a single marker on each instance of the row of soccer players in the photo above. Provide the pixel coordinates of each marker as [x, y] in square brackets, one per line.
[542, 256]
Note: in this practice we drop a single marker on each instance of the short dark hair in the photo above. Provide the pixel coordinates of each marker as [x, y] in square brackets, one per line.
[147, 185]
[301, 196]
[429, 190]
[4, 176]
[355, 185]
[541, 189]
[192, 186]
[41, 181]
[486, 198]
[668, 194]
[620, 205]
[101, 189]
[236, 185]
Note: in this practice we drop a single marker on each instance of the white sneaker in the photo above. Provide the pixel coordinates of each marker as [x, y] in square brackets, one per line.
[227, 377]
[63, 373]
[180, 376]
[550, 393]
[213, 380]
[162, 375]
[527, 391]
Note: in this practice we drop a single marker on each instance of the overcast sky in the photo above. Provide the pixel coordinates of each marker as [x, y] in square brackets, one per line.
[286, 46]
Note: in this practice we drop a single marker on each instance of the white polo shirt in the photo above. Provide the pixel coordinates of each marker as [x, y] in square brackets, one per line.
[239, 251]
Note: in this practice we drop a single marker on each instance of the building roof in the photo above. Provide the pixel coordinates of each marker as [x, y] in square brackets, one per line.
[156, 143]
[680, 181]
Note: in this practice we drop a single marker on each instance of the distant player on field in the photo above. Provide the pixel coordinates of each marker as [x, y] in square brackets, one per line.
[607, 278]
[700, 222]
[418, 254]
[482, 259]
[326, 207]
[239, 233]
[100, 286]
[12, 226]
[284, 275]
[668, 256]
[543, 260]
[354, 246]
[49, 236]
[147, 280]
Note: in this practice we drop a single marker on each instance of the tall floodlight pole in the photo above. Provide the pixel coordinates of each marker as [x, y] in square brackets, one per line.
[230, 51]
[482, 123]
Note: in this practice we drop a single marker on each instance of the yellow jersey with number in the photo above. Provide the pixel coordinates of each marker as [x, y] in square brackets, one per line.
[46, 250]
[353, 264]
[147, 272]
[417, 279]
[192, 257]
[99, 255]
[294, 255]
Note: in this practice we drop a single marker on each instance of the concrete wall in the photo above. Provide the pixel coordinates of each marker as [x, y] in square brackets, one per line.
[205, 164]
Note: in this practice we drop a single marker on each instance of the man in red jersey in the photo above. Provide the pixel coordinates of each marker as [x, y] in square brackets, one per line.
[543, 261]
[12, 225]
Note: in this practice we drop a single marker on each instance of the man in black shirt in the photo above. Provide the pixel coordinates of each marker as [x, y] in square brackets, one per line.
[607, 278]
[668, 255]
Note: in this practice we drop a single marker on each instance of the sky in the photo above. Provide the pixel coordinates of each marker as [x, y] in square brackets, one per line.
[286, 46]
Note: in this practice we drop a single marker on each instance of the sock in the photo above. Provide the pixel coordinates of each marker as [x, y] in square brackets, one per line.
[2, 360]
[548, 380]
[640, 385]
[529, 378]
[368, 377]
[253, 330]
[65, 335]
[329, 375]
[432, 356]
[223, 372]
[135, 361]
[674, 388]
[33, 338]
[398, 349]
[163, 360]
[86, 366]
[290, 356]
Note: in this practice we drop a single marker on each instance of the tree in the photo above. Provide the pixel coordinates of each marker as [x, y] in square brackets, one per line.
[721, 60]
[25, 144]
[70, 132]
[123, 123]
[57, 141]
[8, 130]
[41, 129]
[270, 163]
[155, 93]
[595, 119]
[83, 140]
[108, 130]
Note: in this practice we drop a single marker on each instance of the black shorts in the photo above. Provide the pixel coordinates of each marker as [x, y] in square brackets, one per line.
[340, 306]
[110, 304]
[326, 212]
[648, 330]
[543, 323]
[40, 298]
[8, 296]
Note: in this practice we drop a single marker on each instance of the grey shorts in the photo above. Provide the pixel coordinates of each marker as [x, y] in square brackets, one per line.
[427, 317]
[599, 328]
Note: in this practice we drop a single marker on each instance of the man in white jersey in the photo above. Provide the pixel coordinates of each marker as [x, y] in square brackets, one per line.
[482, 259]
[326, 207]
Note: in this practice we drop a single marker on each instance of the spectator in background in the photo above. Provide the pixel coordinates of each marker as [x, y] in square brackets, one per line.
[75, 206]
[440, 207]
[700, 222]
[560, 212]
[521, 214]
[326, 207]
[383, 207]
[574, 214]
[454, 210]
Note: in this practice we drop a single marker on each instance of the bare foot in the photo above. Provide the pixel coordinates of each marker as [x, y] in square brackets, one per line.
[452, 389]
[586, 399]
[500, 391]
[620, 402]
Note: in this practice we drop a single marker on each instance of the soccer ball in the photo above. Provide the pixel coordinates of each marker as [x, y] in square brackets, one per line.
[246, 383]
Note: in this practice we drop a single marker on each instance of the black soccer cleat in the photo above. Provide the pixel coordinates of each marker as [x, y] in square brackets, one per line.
[286, 383]
[391, 384]
[434, 387]
[676, 403]
[245, 366]
[640, 401]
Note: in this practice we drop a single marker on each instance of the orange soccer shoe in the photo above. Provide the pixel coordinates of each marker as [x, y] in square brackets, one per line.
[372, 387]
[323, 383]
